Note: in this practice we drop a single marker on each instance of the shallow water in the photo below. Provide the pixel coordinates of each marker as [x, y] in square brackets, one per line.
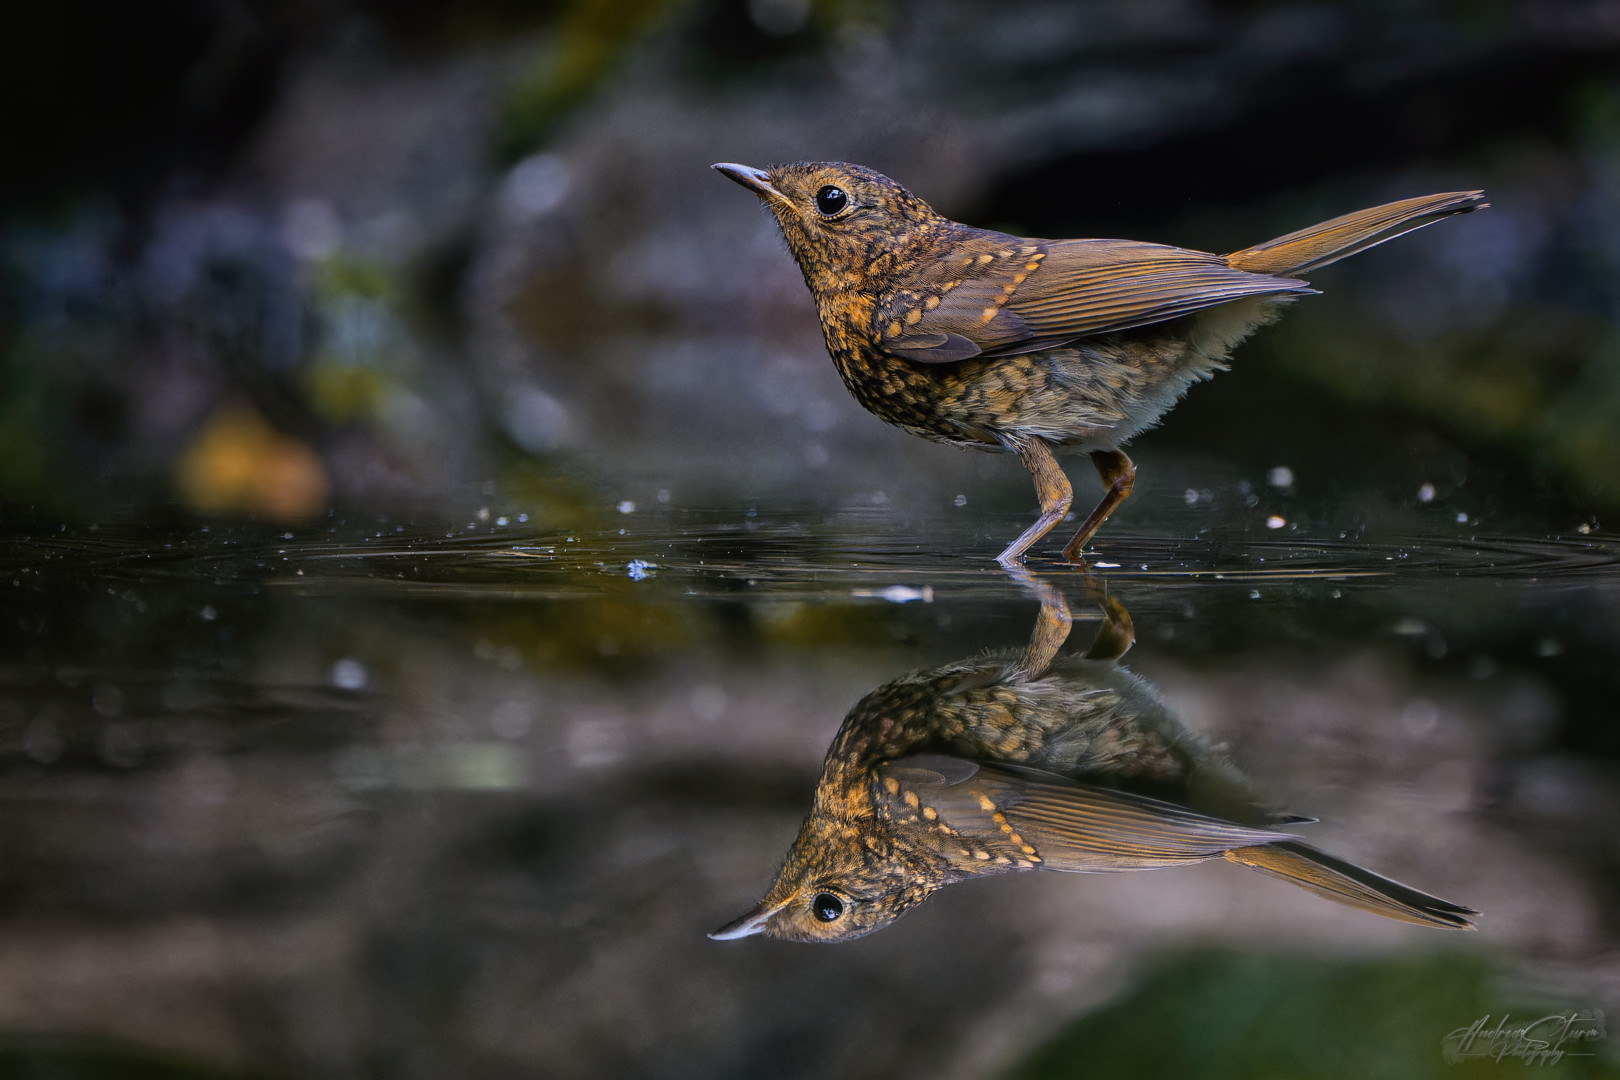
[408, 797]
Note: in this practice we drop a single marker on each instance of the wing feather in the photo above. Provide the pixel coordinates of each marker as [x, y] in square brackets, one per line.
[1019, 302]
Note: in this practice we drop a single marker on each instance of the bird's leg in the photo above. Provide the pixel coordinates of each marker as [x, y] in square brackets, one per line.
[1051, 487]
[1051, 631]
[1117, 633]
[1118, 476]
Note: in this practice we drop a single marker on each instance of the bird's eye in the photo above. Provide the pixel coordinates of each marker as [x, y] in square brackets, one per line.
[826, 906]
[830, 201]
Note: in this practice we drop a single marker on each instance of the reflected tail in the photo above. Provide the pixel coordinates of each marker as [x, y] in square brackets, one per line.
[1345, 882]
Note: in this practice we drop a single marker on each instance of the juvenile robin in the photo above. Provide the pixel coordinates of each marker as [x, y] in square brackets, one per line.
[1003, 343]
[1011, 762]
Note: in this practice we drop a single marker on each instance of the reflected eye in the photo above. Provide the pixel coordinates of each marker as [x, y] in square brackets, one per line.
[826, 906]
[830, 200]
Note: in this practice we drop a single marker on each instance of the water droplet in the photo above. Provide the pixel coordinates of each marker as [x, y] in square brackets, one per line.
[349, 674]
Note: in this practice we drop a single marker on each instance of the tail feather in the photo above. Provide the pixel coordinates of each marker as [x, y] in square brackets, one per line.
[1321, 873]
[1306, 250]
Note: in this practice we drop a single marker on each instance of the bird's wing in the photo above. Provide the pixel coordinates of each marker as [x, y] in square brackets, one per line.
[1006, 296]
[1017, 813]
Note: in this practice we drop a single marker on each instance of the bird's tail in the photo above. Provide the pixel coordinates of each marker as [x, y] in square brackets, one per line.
[1303, 251]
[1321, 873]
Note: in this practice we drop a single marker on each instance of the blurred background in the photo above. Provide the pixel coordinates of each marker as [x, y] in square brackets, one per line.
[385, 252]
[441, 550]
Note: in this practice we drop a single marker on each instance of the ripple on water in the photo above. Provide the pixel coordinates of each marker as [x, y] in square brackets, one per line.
[707, 554]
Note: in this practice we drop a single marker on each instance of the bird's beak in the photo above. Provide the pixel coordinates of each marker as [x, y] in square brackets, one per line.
[753, 922]
[756, 180]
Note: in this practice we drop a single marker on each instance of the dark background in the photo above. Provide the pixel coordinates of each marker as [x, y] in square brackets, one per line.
[349, 351]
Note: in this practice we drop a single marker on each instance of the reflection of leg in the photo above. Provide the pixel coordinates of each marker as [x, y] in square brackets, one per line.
[1118, 475]
[1051, 631]
[1116, 635]
[1051, 487]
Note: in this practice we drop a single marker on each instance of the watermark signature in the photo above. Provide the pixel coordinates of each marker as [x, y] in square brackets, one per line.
[1545, 1040]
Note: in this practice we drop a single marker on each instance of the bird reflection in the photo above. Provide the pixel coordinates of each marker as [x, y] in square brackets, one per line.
[1033, 761]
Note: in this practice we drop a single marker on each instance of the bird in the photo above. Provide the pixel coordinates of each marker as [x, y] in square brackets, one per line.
[1012, 761]
[1012, 344]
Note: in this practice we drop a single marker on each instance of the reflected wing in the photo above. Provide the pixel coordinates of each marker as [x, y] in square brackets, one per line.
[1017, 296]
[1008, 812]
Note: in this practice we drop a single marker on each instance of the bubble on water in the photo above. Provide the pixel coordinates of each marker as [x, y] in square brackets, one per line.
[960, 500]
[1254, 594]
[1426, 493]
[534, 419]
[594, 743]
[640, 569]
[1276, 521]
[349, 674]
[1190, 497]
[536, 185]
[626, 507]
[1420, 716]
[1280, 477]
[1462, 518]
[708, 701]
[1549, 646]
[208, 613]
[311, 230]
[899, 594]
[501, 520]
[512, 719]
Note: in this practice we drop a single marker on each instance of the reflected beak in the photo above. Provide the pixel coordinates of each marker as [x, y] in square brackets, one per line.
[756, 180]
[753, 922]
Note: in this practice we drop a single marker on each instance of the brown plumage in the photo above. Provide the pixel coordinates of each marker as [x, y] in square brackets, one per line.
[1009, 762]
[999, 342]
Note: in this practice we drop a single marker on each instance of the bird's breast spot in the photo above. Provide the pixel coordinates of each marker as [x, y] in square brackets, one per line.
[986, 257]
[982, 856]
[911, 799]
[930, 813]
[985, 803]
[891, 785]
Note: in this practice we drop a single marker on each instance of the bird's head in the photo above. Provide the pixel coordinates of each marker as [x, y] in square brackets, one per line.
[841, 221]
[831, 888]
